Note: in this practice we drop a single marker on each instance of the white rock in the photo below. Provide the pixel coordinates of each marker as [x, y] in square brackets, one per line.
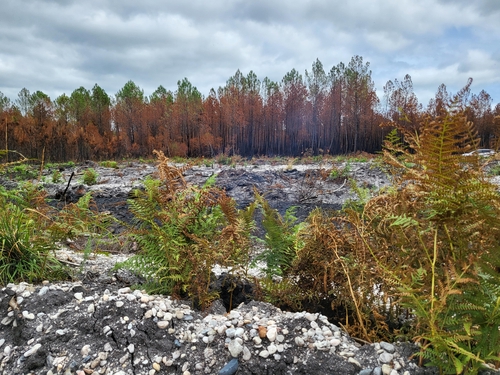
[28, 315]
[123, 359]
[7, 320]
[335, 342]
[264, 354]
[299, 341]
[33, 350]
[85, 350]
[322, 345]
[272, 332]
[167, 316]
[246, 354]
[353, 361]
[162, 324]
[311, 317]
[235, 347]
[386, 369]
[239, 332]
[131, 348]
[272, 349]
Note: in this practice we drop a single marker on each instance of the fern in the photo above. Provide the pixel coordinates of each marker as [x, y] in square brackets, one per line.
[280, 238]
[442, 225]
[183, 231]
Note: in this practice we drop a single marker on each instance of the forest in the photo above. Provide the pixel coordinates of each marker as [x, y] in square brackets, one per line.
[321, 112]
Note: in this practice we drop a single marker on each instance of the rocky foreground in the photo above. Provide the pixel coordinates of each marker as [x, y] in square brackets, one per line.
[99, 325]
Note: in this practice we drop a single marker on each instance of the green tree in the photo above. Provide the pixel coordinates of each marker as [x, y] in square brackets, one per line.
[23, 101]
[4, 102]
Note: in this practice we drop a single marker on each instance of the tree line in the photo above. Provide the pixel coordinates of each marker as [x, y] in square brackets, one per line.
[320, 112]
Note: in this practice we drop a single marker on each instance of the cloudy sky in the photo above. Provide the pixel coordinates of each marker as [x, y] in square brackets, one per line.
[56, 46]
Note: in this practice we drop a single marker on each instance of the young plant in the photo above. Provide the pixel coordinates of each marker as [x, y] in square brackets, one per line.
[25, 244]
[341, 173]
[57, 176]
[183, 231]
[280, 238]
[109, 164]
[90, 176]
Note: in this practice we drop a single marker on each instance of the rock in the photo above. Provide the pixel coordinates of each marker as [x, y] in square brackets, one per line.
[262, 332]
[387, 347]
[230, 368]
[85, 350]
[162, 324]
[33, 350]
[386, 357]
[264, 354]
[246, 354]
[386, 369]
[271, 333]
[235, 347]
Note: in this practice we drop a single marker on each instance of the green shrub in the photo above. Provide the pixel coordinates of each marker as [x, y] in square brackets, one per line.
[90, 176]
[183, 231]
[494, 171]
[109, 164]
[340, 172]
[23, 171]
[25, 246]
[57, 177]
[224, 159]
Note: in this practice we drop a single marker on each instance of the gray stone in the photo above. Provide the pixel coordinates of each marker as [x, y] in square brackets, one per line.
[387, 347]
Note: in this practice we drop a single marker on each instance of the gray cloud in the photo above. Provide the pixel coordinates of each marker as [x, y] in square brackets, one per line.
[58, 46]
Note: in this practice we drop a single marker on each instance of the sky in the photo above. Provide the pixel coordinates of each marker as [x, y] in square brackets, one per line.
[57, 46]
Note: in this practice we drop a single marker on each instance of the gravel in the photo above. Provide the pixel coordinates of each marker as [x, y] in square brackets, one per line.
[99, 325]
